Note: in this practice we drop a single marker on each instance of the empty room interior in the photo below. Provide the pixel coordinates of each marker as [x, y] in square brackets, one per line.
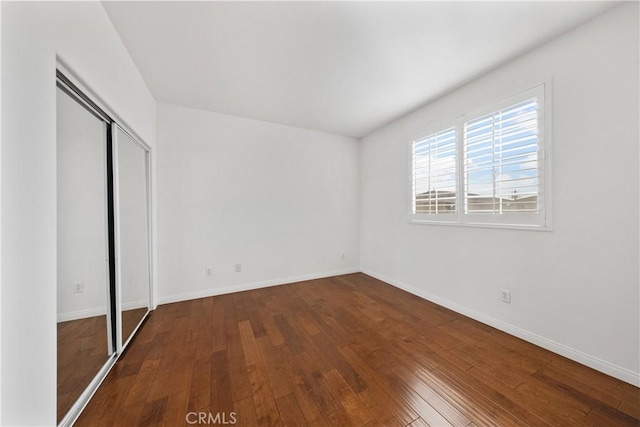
[320, 213]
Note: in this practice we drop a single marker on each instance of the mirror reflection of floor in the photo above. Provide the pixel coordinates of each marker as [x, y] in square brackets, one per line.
[82, 351]
[130, 319]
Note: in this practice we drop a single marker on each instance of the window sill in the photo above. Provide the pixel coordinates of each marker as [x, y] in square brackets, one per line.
[506, 226]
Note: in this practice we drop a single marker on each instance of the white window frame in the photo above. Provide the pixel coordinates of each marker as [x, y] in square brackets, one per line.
[542, 221]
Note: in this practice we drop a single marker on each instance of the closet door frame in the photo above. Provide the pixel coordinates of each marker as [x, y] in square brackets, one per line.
[74, 87]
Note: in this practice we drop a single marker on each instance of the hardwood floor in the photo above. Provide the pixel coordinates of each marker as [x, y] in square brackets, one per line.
[130, 320]
[347, 350]
[82, 352]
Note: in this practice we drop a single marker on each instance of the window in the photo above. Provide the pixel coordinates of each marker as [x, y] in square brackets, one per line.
[488, 170]
[434, 174]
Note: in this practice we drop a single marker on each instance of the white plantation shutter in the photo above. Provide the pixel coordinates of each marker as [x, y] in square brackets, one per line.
[433, 166]
[490, 169]
[501, 152]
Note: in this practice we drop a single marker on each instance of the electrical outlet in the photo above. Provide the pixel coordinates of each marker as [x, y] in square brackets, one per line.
[238, 268]
[505, 295]
[78, 287]
[208, 271]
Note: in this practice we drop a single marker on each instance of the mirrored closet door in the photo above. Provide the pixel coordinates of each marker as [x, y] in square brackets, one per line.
[85, 339]
[103, 244]
[134, 268]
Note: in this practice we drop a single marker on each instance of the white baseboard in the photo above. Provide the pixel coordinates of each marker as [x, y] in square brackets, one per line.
[251, 286]
[596, 363]
[99, 311]
[135, 304]
[81, 314]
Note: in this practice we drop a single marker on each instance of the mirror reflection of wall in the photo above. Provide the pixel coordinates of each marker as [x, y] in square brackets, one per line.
[133, 218]
[83, 329]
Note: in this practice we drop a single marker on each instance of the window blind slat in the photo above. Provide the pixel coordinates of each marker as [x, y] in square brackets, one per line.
[513, 160]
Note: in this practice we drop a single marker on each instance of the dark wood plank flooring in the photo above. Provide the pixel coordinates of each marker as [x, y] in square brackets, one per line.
[341, 351]
[130, 320]
[82, 352]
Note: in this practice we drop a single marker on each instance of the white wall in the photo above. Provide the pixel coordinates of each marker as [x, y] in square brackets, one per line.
[281, 201]
[32, 35]
[575, 289]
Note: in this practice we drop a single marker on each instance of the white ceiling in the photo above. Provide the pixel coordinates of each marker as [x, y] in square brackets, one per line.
[341, 67]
